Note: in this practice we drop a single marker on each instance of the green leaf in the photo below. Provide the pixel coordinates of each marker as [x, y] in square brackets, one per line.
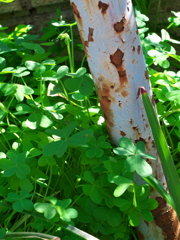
[81, 137]
[77, 96]
[63, 133]
[21, 91]
[50, 63]
[39, 71]
[80, 72]
[100, 214]
[34, 152]
[101, 141]
[138, 164]
[82, 83]
[109, 165]
[125, 147]
[16, 165]
[41, 207]
[27, 204]
[122, 152]
[147, 215]
[17, 89]
[149, 204]
[122, 182]
[140, 147]
[20, 201]
[173, 96]
[46, 160]
[127, 144]
[134, 218]
[96, 146]
[2, 63]
[90, 190]
[26, 184]
[51, 199]
[17, 206]
[8, 89]
[22, 109]
[62, 71]
[94, 152]
[121, 188]
[2, 233]
[38, 119]
[70, 213]
[114, 217]
[88, 176]
[122, 203]
[86, 87]
[50, 212]
[31, 65]
[2, 155]
[21, 72]
[6, 1]
[164, 64]
[33, 46]
[117, 179]
[57, 148]
[12, 196]
[72, 84]
[64, 203]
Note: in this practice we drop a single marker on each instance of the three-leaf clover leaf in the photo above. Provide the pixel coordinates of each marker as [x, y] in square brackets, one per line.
[63, 138]
[135, 156]
[56, 207]
[20, 201]
[96, 147]
[15, 164]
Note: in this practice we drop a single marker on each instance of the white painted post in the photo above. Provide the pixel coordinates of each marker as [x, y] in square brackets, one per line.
[110, 37]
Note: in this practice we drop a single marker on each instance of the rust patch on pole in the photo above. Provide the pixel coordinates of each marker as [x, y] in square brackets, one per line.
[75, 10]
[124, 93]
[167, 221]
[105, 98]
[123, 134]
[119, 26]
[90, 37]
[146, 75]
[117, 60]
[138, 49]
[103, 6]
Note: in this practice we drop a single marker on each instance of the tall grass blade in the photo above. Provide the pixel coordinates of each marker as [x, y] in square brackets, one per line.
[167, 162]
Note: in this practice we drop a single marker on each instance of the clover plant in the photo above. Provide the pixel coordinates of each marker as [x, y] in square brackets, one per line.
[59, 173]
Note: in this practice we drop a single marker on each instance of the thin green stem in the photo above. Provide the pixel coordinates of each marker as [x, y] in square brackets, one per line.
[70, 58]
[41, 92]
[50, 177]
[157, 14]
[72, 48]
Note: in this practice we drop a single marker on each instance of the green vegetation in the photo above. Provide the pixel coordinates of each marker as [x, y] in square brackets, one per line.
[58, 168]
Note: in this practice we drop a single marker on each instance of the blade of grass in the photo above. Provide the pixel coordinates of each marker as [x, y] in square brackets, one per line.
[153, 182]
[167, 162]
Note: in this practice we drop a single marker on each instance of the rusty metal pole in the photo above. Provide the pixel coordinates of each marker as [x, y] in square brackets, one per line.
[110, 37]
